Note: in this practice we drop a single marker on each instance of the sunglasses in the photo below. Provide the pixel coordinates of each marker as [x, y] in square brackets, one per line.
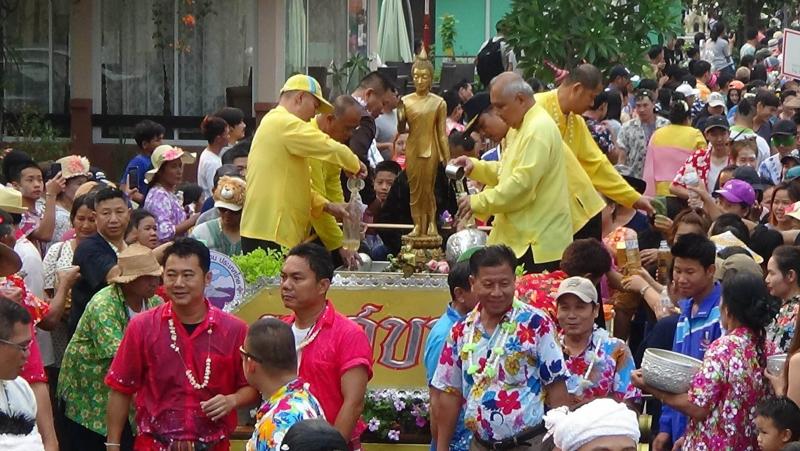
[23, 347]
[783, 140]
[247, 355]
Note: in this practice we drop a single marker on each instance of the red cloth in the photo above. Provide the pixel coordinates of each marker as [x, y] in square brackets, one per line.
[166, 403]
[33, 370]
[147, 443]
[340, 345]
[539, 290]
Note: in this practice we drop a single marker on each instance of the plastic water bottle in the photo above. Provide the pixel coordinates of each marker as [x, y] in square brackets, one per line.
[666, 303]
[664, 260]
[691, 179]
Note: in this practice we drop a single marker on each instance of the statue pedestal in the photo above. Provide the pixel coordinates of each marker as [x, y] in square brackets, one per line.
[416, 252]
[422, 242]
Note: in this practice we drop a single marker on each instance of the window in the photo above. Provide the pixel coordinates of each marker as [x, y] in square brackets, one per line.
[173, 57]
[36, 66]
[323, 31]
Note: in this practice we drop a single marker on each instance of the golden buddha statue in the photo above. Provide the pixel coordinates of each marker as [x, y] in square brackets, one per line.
[422, 114]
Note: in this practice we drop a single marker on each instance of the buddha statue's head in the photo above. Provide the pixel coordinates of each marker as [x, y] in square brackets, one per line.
[422, 73]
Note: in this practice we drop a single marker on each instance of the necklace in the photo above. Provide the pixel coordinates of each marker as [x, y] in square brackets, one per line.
[310, 336]
[174, 345]
[494, 353]
[583, 381]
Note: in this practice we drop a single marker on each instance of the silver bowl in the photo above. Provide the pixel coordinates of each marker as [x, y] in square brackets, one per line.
[669, 371]
[776, 364]
[463, 240]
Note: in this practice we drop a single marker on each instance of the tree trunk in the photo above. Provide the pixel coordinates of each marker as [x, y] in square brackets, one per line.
[751, 10]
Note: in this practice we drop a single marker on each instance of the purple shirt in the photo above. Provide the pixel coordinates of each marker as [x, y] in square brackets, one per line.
[168, 210]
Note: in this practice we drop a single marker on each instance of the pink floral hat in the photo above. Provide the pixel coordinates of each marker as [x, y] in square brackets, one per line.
[74, 166]
[164, 153]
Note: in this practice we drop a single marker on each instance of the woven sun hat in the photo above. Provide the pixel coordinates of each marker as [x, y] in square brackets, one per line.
[11, 200]
[74, 166]
[134, 262]
[165, 153]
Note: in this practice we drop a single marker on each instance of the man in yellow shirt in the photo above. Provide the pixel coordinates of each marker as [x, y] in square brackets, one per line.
[588, 169]
[339, 125]
[279, 202]
[525, 190]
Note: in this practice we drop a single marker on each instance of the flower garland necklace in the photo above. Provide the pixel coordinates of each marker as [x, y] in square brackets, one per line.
[495, 353]
[174, 345]
[583, 381]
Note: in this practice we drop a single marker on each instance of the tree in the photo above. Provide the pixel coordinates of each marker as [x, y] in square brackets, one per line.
[741, 14]
[602, 32]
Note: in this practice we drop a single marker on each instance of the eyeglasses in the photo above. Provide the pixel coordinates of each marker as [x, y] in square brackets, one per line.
[247, 355]
[22, 347]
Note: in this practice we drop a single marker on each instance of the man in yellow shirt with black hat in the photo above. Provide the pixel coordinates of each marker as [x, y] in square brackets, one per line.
[279, 202]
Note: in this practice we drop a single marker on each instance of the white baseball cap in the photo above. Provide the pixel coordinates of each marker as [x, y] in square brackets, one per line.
[687, 90]
[581, 287]
[716, 99]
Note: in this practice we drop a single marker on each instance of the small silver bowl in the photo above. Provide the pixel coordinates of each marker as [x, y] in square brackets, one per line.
[669, 371]
[463, 240]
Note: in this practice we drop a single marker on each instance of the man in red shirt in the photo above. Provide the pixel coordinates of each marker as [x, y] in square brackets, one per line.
[334, 353]
[182, 362]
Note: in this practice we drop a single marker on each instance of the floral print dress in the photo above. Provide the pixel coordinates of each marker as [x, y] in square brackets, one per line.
[782, 329]
[729, 384]
[167, 207]
[602, 370]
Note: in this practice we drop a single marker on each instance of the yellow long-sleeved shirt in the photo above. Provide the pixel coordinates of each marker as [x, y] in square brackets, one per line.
[279, 201]
[525, 191]
[325, 181]
[588, 169]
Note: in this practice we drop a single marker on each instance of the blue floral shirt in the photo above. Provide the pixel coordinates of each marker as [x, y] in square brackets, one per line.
[501, 375]
[433, 349]
[291, 404]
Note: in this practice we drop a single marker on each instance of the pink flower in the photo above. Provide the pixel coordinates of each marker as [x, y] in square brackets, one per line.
[172, 154]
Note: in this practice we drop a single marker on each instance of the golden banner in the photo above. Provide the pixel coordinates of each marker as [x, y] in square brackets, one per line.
[396, 321]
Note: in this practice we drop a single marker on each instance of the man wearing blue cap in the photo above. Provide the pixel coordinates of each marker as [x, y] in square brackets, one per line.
[279, 202]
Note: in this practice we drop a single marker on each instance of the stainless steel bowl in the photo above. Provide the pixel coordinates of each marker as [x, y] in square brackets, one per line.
[669, 371]
[463, 240]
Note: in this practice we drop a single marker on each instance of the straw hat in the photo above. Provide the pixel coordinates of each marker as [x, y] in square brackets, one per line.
[74, 166]
[164, 153]
[11, 200]
[134, 262]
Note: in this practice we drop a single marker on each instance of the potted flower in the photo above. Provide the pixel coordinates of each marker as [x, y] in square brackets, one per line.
[397, 416]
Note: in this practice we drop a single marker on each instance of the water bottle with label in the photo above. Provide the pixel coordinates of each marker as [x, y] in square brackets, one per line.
[351, 225]
[664, 262]
[632, 257]
[691, 179]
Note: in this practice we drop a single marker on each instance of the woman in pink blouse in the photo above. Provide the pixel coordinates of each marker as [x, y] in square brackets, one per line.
[721, 402]
[163, 200]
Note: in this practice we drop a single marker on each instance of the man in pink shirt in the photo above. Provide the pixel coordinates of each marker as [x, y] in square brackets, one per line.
[334, 353]
[182, 362]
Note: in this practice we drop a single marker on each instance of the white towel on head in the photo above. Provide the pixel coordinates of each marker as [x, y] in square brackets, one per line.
[599, 418]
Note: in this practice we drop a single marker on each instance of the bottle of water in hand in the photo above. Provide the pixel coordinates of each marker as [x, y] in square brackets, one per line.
[691, 179]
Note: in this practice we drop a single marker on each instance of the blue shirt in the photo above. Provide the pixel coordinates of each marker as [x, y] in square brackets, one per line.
[693, 335]
[142, 164]
[433, 349]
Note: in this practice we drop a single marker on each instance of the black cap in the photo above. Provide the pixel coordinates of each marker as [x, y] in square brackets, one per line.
[791, 156]
[784, 127]
[716, 121]
[473, 108]
[750, 175]
[618, 71]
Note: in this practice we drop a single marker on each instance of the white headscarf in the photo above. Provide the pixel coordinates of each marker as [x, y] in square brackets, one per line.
[599, 418]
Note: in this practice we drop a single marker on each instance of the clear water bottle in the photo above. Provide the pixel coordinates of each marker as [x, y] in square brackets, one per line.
[690, 178]
[351, 225]
[667, 306]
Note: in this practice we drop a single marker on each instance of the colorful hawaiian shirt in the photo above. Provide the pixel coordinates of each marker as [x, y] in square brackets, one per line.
[700, 160]
[729, 384]
[539, 290]
[507, 370]
[633, 139]
[782, 329]
[602, 370]
[88, 357]
[168, 210]
[291, 404]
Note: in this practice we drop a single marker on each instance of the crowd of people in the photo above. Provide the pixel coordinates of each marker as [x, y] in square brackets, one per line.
[648, 207]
